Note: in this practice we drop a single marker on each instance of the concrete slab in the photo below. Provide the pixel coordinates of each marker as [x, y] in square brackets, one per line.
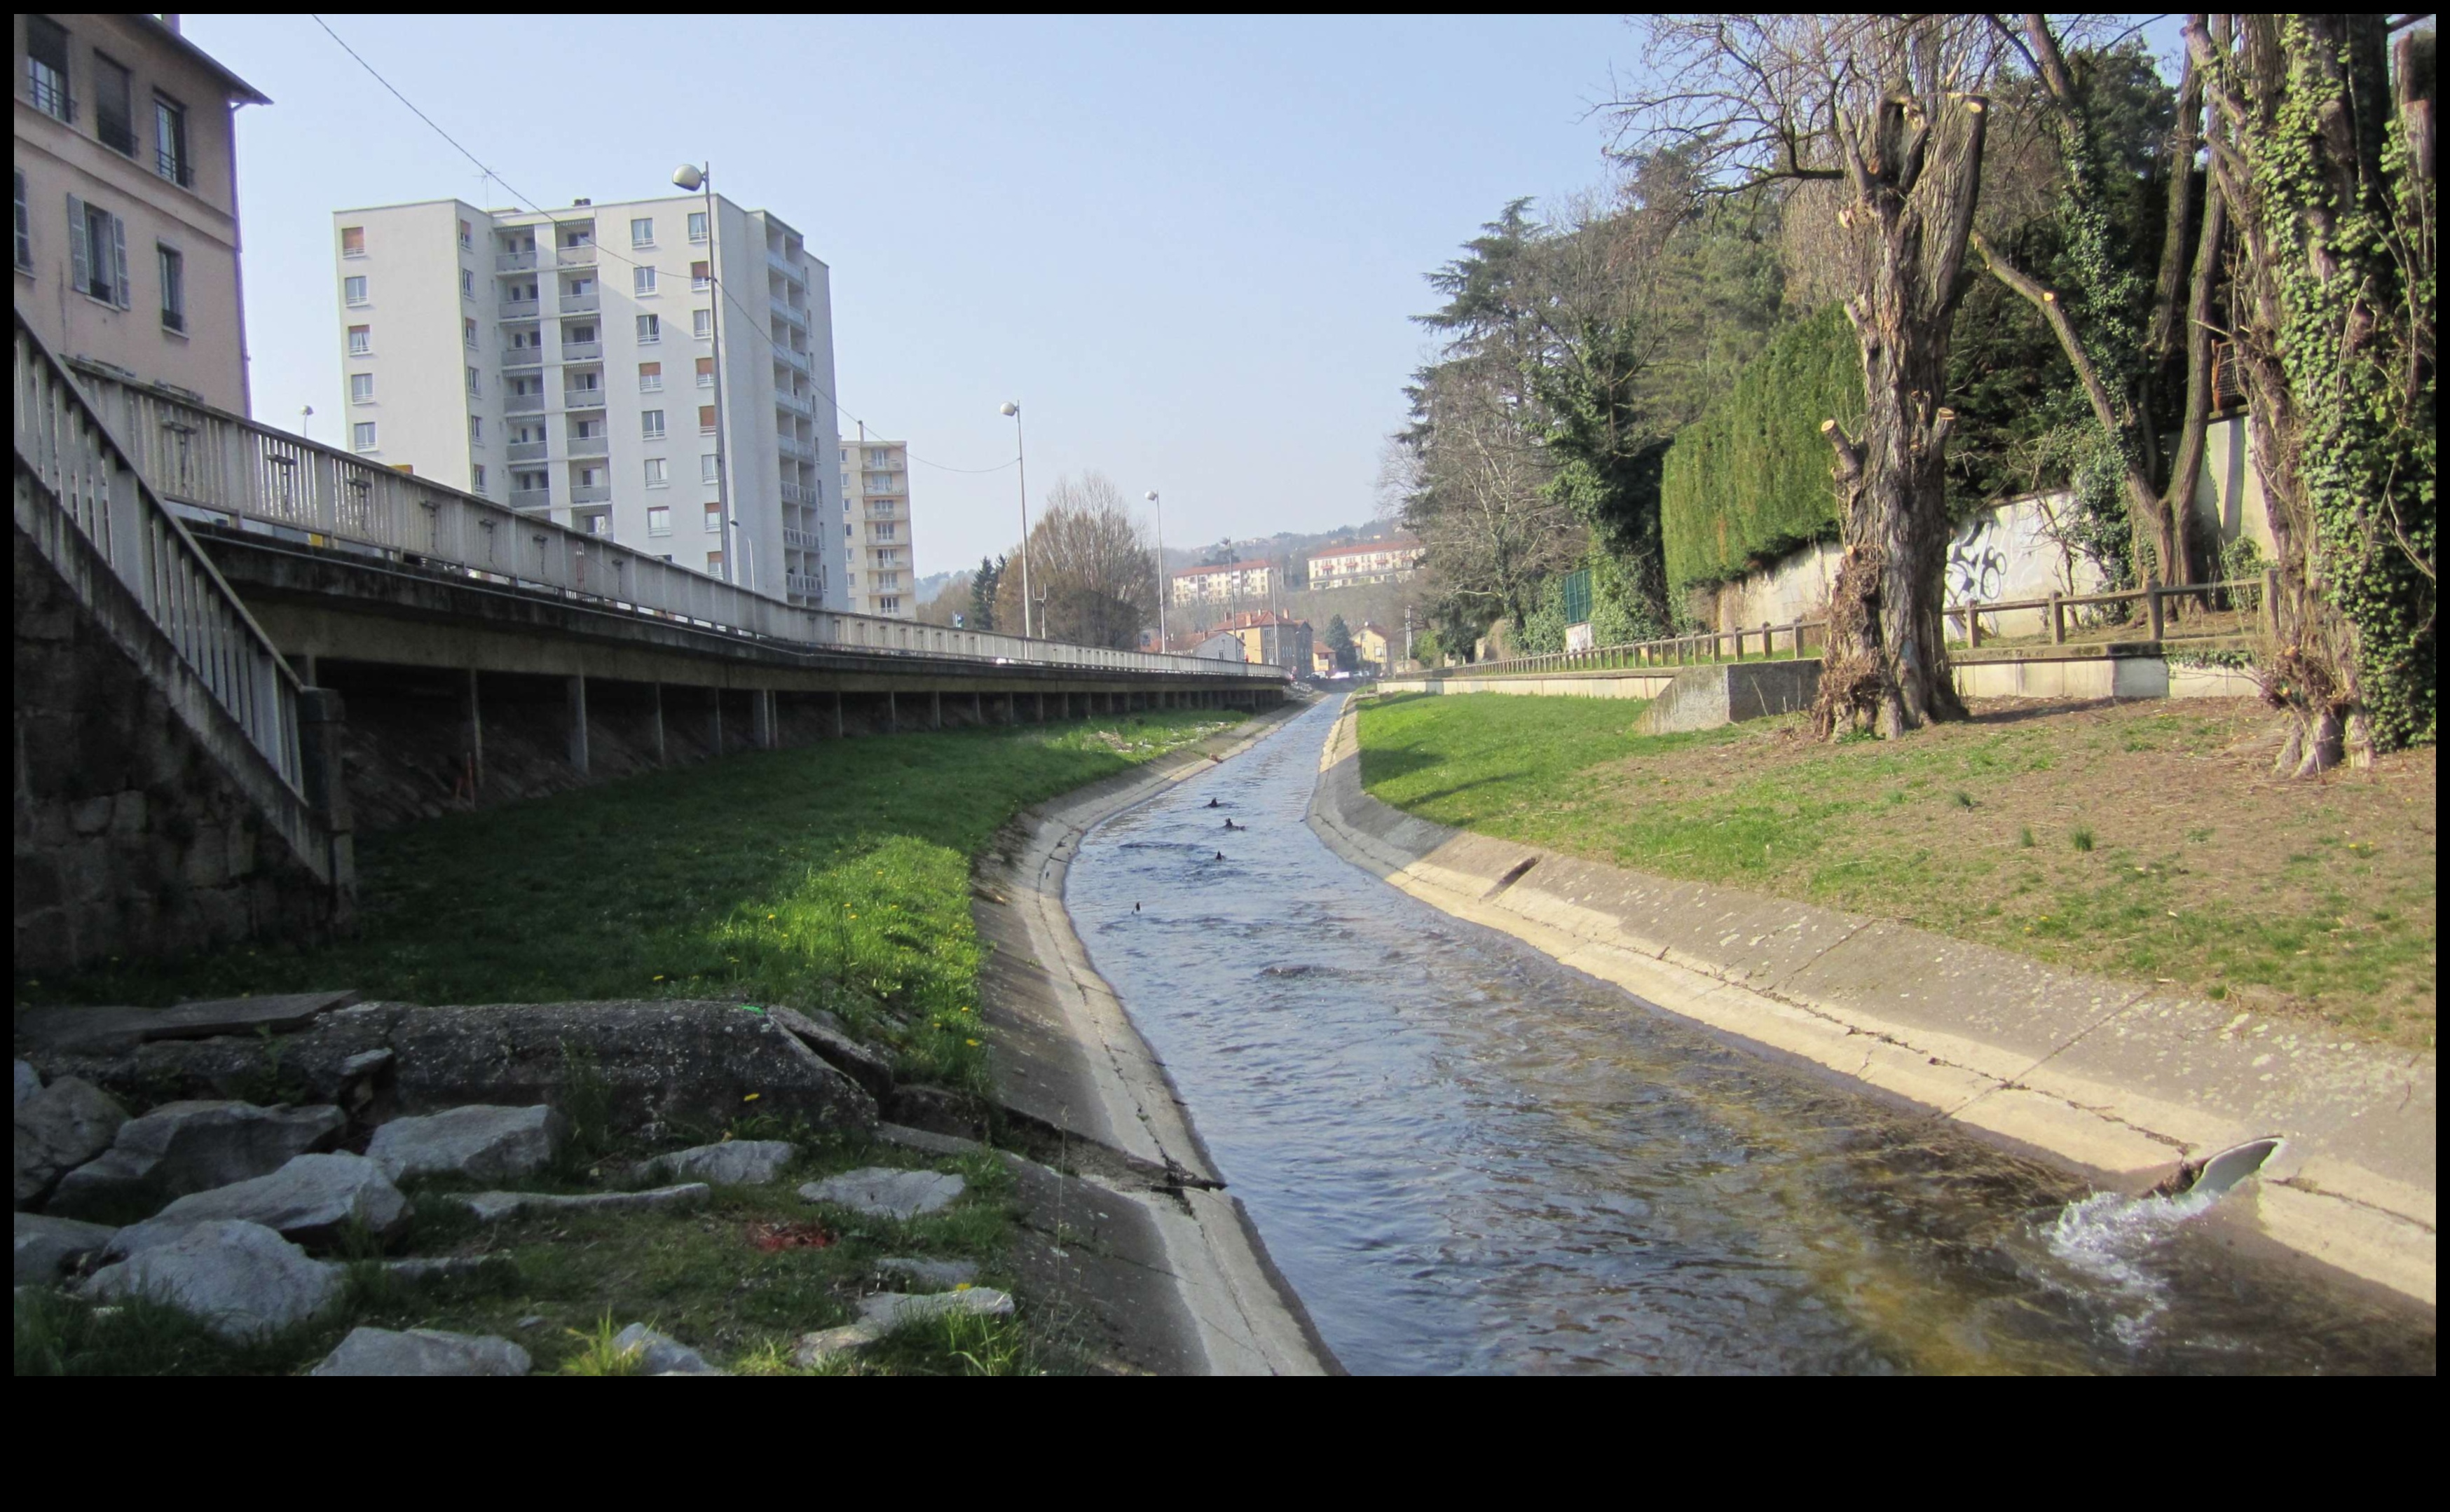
[103, 1029]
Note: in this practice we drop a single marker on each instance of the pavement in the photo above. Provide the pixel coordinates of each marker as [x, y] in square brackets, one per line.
[2120, 1081]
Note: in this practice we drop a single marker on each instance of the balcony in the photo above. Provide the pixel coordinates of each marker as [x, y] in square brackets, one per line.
[792, 493]
[575, 257]
[796, 403]
[790, 446]
[802, 583]
[582, 351]
[530, 499]
[787, 266]
[797, 315]
[523, 404]
[802, 540]
[582, 399]
[514, 261]
[579, 303]
[590, 446]
[527, 451]
[523, 357]
[798, 359]
[592, 493]
[518, 309]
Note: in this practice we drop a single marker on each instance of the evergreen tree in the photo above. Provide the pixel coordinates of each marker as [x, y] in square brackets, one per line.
[983, 593]
[1339, 643]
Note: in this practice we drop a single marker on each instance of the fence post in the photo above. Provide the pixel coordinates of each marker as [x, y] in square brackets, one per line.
[2152, 604]
[2271, 600]
[1973, 626]
[2058, 621]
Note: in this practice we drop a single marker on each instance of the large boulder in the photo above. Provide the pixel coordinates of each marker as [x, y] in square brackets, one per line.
[60, 1127]
[108, 1029]
[480, 1142]
[314, 1200]
[659, 1354]
[732, 1163]
[492, 1207]
[880, 1191]
[185, 1147]
[242, 1279]
[46, 1247]
[846, 1055]
[29, 1082]
[423, 1351]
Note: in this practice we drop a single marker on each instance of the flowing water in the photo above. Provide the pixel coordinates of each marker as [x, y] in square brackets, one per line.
[1465, 1157]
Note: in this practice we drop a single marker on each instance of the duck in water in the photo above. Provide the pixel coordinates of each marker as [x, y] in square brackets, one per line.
[1213, 804]
[1230, 825]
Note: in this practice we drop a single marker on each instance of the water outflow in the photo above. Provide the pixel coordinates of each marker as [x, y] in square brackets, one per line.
[1466, 1157]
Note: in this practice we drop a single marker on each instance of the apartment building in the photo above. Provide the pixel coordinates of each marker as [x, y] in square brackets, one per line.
[1278, 640]
[876, 528]
[568, 362]
[127, 201]
[1369, 562]
[1229, 583]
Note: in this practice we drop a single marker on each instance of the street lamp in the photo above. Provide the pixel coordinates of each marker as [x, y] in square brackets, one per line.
[694, 177]
[749, 557]
[1021, 459]
[1161, 583]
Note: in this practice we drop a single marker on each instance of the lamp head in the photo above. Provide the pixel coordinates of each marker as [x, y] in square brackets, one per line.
[1009, 408]
[1151, 495]
[690, 176]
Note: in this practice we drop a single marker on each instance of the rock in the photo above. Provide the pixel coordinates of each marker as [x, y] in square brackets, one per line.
[29, 1082]
[313, 1200]
[83, 1031]
[60, 1127]
[659, 1355]
[423, 1351]
[492, 1207]
[481, 1143]
[879, 1192]
[934, 1144]
[942, 1274]
[534, 1320]
[440, 1267]
[936, 1110]
[185, 1147]
[103, 1028]
[732, 1163]
[242, 1279]
[885, 1312]
[46, 1247]
[846, 1055]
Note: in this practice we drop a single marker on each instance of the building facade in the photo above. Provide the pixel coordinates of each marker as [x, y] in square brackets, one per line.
[1371, 562]
[881, 576]
[567, 363]
[1229, 583]
[1275, 639]
[1369, 645]
[126, 201]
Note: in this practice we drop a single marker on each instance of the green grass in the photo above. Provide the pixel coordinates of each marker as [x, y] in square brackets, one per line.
[2308, 896]
[834, 876]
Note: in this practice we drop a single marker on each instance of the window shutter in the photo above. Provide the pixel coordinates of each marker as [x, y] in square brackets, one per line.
[80, 264]
[119, 292]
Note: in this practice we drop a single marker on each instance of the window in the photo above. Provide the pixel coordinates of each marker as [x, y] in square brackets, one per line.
[47, 73]
[114, 106]
[476, 430]
[582, 382]
[361, 340]
[467, 285]
[579, 336]
[642, 280]
[361, 388]
[476, 385]
[705, 420]
[706, 372]
[701, 323]
[477, 478]
[714, 561]
[650, 426]
[651, 330]
[714, 518]
[591, 477]
[532, 482]
[697, 218]
[170, 158]
[706, 468]
[656, 477]
[98, 252]
[650, 378]
[468, 332]
[353, 241]
[659, 522]
[361, 435]
[585, 430]
[354, 289]
[467, 235]
[25, 228]
[701, 275]
[642, 231]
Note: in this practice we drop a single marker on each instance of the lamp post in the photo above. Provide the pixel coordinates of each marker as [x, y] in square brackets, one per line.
[1021, 459]
[305, 412]
[1161, 583]
[749, 557]
[695, 177]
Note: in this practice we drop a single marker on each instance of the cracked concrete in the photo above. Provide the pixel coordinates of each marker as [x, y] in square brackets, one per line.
[2119, 1081]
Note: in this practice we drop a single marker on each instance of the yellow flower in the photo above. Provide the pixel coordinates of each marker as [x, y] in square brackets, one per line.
[658, 976]
[961, 1285]
[969, 1042]
[752, 1097]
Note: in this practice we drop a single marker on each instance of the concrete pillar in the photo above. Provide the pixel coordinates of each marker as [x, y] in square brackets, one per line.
[761, 719]
[1041, 707]
[892, 714]
[978, 708]
[936, 709]
[838, 714]
[306, 672]
[577, 688]
[658, 730]
[714, 718]
[322, 721]
[472, 725]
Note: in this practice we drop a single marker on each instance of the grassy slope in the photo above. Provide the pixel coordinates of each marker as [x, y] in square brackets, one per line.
[2134, 842]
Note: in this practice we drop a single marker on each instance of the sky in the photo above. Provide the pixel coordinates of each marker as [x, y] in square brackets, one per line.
[1189, 249]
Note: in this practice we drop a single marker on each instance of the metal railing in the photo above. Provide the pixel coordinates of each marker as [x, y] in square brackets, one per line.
[104, 494]
[514, 261]
[579, 303]
[219, 465]
[522, 357]
[575, 257]
[582, 351]
[516, 309]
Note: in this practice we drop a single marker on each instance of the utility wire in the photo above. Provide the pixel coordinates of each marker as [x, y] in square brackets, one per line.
[722, 286]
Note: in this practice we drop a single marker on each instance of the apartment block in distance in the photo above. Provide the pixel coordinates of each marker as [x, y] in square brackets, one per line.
[565, 363]
[1369, 562]
[1233, 582]
[126, 189]
[876, 527]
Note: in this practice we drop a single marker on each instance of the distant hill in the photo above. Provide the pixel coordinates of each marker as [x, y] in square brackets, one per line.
[1279, 547]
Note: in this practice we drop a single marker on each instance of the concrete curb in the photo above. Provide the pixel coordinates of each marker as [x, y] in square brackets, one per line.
[1067, 1059]
[2113, 1078]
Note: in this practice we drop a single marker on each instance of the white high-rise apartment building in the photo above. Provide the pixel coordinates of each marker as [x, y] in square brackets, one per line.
[566, 363]
[876, 527]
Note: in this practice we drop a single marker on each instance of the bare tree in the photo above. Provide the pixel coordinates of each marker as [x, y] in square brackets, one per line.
[1491, 528]
[1891, 111]
[1094, 574]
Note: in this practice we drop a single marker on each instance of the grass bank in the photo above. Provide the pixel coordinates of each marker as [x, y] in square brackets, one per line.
[834, 876]
[2141, 841]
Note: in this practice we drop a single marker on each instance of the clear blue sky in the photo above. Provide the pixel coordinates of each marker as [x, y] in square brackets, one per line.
[1188, 248]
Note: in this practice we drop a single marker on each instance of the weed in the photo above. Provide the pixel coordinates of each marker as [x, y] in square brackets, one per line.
[597, 1354]
[2024, 837]
[1961, 799]
[584, 1096]
[2081, 837]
